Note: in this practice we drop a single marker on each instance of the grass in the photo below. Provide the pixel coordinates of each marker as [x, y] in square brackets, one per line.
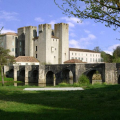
[97, 102]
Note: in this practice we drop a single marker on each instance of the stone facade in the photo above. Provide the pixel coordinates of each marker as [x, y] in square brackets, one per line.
[8, 41]
[55, 74]
[50, 46]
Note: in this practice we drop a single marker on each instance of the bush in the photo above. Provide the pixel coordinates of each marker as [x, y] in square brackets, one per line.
[83, 79]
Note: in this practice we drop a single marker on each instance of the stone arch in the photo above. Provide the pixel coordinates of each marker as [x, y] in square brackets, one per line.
[119, 79]
[34, 76]
[49, 77]
[67, 76]
[10, 73]
[90, 73]
[21, 76]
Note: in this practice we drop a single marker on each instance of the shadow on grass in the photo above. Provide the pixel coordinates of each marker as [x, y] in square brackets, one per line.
[91, 104]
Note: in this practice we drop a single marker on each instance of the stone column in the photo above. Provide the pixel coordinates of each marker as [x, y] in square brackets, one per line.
[41, 79]
[16, 68]
[54, 80]
[27, 69]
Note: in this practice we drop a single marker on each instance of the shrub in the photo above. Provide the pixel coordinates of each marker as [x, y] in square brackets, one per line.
[83, 79]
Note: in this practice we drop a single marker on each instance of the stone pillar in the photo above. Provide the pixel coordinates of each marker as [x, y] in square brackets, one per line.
[16, 68]
[110, 73]
[27, 69]
[54, 80]
[42, 77]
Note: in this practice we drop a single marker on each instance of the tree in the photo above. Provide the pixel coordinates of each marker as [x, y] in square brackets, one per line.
[116, 55]
[5, 58]
[97, 49]
[106, 57]
[107, 11]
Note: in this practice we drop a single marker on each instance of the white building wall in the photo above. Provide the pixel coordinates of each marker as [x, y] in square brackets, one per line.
[8, 42]
[29, 42]
[62, 32]
[88, 57]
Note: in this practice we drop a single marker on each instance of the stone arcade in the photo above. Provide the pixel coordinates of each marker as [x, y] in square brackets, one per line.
[54, 74]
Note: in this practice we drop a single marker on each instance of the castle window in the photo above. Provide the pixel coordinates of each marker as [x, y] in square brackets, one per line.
[36, 55]
[36, 48]
[12, 49]
[13, 37]
[20, 43]
[20, 49]
[13, 43]
[54, 56]
[55, 48]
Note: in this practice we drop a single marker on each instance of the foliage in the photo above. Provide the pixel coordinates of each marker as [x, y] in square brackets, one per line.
[106, 57]
[100, 10]
[97, 49]
[116, 52]
[83, 79]
[5, 58]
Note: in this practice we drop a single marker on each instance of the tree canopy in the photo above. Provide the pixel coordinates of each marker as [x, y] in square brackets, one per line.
[5, 58]
[107, 11]
[97, 49]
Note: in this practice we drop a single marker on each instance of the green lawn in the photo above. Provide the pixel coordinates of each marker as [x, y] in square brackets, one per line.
[97, 102]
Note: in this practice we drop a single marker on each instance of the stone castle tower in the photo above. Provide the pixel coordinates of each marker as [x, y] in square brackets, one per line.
[50, 46]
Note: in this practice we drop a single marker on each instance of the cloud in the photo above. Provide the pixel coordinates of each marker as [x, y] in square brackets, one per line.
[52, 23]
[88, 38]
[102, 32]
[72, 34]
[50, 15]
[87, 31]
[83, 42]
[72, 19]
[9, 16]
[74, 43]
[39, 19]
[110, 49]
[7, 30]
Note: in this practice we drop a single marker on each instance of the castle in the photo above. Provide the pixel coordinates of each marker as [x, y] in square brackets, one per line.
[47, 45]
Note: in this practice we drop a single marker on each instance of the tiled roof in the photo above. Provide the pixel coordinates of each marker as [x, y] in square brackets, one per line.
[9, 33]
[74, 61]
[26, 59]
[81, 50]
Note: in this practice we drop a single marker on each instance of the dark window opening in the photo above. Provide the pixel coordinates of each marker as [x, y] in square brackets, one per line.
[36, 48]
[36, 55]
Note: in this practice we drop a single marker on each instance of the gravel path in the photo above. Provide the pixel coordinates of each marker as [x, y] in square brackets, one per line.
[61, 89]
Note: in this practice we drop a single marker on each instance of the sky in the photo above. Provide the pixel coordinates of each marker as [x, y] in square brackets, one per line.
[84, 35]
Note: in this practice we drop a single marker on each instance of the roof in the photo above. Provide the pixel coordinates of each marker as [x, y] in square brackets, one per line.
[26, 59]
[10, 33]
[74, 61]
[81, 50]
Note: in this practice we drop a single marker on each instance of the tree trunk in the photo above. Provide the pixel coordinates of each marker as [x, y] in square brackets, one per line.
[2, 76]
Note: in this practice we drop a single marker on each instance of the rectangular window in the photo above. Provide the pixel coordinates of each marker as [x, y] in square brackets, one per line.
[86, 59]
[20, 43]
[75, 57]
[36, 48]
[20, 49]
[12, 49]
[72, 57]
[36, 55]
[13, 43]
[13, 37]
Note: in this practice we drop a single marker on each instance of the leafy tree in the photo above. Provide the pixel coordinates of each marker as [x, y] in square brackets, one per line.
[97, 49]
[5, 58]
[116, 55]
[107, 11]
[106, 57]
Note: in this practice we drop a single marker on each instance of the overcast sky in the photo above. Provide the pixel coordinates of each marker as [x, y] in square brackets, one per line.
[86, 34]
